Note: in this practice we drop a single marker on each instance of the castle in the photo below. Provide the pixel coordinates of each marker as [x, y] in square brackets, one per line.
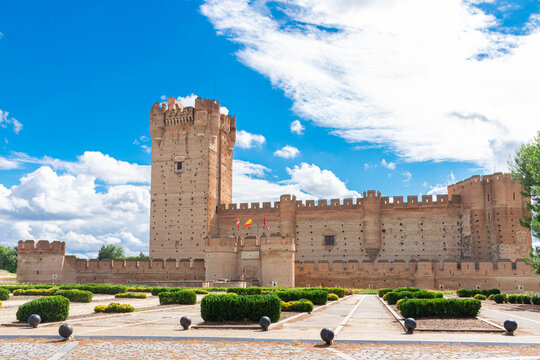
[468, 238]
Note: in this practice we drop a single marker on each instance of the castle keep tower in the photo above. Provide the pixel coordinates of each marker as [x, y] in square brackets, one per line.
[191, 174]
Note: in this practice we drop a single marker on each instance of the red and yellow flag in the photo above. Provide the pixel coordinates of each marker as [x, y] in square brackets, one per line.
[266, 225]
[248, 223]
[238, 223]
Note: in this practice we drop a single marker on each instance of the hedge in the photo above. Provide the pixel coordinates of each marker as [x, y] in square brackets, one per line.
[96, 288]
[333, 297]
[100, 308]
[129, 295]
[535, 299]
[393, 296]
[159, 289]
[317, 297]
[406, 288]
[139, 289]
[82, 296]
[472, 292]
[254, 290]
[335, 290]
[51, 308]
[297, 306]
[238, 308]
[500, 298]
[481, 297]
[11, 288]
[35, 292]
[4, 294]
[440, 308]
[384, 291]
[185, 297]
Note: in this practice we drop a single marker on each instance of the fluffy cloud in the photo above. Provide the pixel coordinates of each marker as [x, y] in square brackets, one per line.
[190, 101]
[297, 127]
[6, 164]
[287, 152]
[442, 188]
[389, 165]
[430, 80]
[6, 121]
[245, 140]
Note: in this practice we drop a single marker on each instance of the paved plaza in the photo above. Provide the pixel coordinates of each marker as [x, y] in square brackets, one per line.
[363, 326]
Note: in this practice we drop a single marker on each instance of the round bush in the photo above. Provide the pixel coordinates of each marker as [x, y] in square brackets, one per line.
[491, 296]
[100, 308]
[382, 292]
[51, 308]
[480, 297]
[500, 298]
[333, 297]
[4, 294]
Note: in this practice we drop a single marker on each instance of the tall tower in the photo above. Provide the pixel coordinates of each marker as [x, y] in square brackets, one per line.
[191, 174]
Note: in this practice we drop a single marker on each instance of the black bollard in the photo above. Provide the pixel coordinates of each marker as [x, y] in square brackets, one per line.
[34, 320]
[327, 335]
[510, 326]
[265, 323]
[410, 325]
[185, 322]
[65, 331]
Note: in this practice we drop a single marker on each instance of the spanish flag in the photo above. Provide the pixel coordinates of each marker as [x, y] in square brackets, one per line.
[248, 223]
[238, 223]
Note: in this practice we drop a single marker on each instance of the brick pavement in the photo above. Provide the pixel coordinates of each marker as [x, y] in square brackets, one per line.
[30, 349]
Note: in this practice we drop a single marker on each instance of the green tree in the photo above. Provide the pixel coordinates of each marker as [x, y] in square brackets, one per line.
[8, 258]
[526, 169]
[111, 252]
[139, 257]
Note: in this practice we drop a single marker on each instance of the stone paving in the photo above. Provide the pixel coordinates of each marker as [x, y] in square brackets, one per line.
[138, 349]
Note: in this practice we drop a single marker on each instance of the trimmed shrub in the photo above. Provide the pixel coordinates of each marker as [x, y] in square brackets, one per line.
[393, 297]
[480, 297]
[129, 295]
[472, 292]
[11, 288]
[513, 299]
[51, 308]
[96, 288]
[185, 297]
[490, 297]
[201, 291]
[100, 308]
[411, 289]
[238, 308]
[0, 304]
[333, 297]
[535, 299]
[317, 297]
[118, 308]
[138, 289]
[82, 296]
[4, 294]
[525, 299]
[246, 291]
[35, 292]
[440, 308]
[297, 306]
[382, 292]
[337, 291]
[500, 298]
[399, 302]
[159, 289]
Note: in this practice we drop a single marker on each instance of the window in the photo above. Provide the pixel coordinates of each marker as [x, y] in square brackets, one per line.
[178, 165]
[329, 240]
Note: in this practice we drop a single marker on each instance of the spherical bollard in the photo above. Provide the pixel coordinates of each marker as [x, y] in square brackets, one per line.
[410, 325]
[65, 331]
[185, 322]
[34, 320]
[264, 322]
[510, 326]
[327, 335]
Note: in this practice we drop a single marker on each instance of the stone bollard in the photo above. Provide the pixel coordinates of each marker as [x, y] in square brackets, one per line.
[327, 335]
[65, 331]
[510, 326]
[410, 325]
[34, 320]
[185, 322]
[265, 322]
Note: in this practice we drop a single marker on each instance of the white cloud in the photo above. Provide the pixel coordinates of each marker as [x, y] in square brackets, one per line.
[189, 100]
[442, 188]
[5, 120]
[6, 164]
[407, 176]
[425, 78]
[94, 164]
[297, 127]
[245, 140]
[287, 152]
[143, 142]
[389, 165]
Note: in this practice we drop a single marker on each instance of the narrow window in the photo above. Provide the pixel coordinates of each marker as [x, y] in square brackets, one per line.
[329, 240]
[488, 197]
[179, 165]
[514, 196]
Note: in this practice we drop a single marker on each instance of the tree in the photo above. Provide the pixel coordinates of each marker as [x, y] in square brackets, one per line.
[8, 258]
[526, 169]
[139, 257]
[111, 252]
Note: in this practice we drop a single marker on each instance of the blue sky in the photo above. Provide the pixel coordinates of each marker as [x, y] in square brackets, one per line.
[402, 98]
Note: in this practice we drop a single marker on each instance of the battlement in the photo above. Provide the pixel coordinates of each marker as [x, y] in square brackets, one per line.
[484, 179]
[29, 246]
[184, 115]
[208, 104]
[411, 201]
